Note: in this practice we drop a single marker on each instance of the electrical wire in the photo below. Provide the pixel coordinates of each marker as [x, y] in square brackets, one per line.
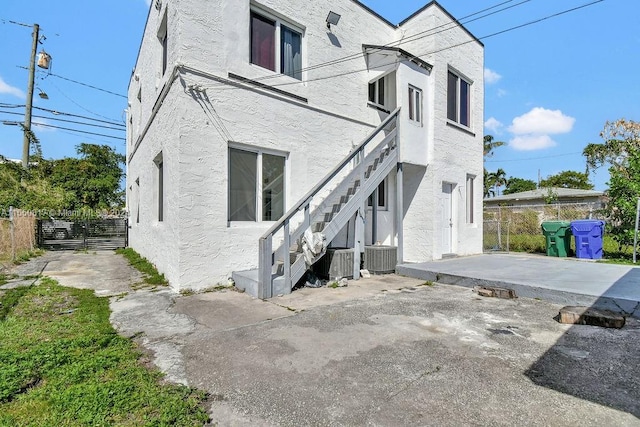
[122, 129]
[78, 105]
[536, 21]
[420, 35]
[533, 158]
[69, 129]
[87, 85]
[77, 115]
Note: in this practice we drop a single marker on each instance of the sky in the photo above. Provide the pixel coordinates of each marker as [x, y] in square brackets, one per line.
[550, 87]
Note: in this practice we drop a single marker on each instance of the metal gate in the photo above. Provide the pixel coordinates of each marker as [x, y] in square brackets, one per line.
[82, 234]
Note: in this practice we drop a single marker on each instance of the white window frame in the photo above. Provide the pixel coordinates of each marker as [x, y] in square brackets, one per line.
[259, 152]
[279, 23]
[458, 96]
[470, 199]
[164, 48]
[376, 92]
[415, 105]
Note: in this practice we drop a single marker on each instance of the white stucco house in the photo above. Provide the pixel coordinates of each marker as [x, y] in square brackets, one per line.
[251, 122]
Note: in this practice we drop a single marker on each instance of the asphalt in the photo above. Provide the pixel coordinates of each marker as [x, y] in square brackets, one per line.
[385, 351]
[567, 281]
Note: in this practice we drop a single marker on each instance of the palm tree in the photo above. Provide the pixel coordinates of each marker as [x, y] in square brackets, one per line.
[498, 179]
[490, 144]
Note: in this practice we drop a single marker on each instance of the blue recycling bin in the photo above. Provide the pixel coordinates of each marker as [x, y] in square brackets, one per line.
[588, 235]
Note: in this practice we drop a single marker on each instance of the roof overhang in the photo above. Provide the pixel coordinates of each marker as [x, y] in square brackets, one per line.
[370, 49]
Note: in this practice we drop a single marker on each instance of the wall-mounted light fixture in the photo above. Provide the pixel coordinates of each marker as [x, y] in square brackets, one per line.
[332, 19]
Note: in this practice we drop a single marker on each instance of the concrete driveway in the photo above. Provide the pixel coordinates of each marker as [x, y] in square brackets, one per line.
[386, 351]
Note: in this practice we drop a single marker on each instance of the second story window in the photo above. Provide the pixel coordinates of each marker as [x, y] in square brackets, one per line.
[276, 46]
[458, 100]
[415, 104]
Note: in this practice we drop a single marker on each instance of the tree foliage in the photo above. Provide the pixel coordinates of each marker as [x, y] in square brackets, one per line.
[568, 179]
[621, 151]
[490, 144]
[92, 180]
[518, 185]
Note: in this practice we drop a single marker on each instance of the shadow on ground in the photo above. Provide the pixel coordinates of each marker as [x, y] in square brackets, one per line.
[597, 364]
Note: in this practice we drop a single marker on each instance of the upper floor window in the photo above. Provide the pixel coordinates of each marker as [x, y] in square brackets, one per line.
[376, 92]
[276, 46]
[458, 100]
[162, 37]
[415, 104]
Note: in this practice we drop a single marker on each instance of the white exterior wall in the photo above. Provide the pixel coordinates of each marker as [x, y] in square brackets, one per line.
[454, 152]
[195, 246]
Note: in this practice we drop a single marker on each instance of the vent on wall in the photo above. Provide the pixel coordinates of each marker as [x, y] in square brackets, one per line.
[158, 4]
[336, 263]
[380, 259]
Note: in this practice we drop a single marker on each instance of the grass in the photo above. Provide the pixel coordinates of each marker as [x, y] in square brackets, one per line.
[64, 364]
[152, 277]
[24, 256]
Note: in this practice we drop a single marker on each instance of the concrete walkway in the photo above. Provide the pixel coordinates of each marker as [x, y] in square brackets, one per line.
[566, 281]
[384, 351]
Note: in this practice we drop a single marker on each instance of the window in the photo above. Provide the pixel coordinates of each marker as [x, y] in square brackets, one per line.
[160, 177]
[458, 100]
[470, 182]
[376, 92]
[162, 36]
[256, 185]
[415, 104]
[382, 196]
[274, 44]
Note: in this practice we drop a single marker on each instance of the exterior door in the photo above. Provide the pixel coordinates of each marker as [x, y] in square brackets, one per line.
[447, 217]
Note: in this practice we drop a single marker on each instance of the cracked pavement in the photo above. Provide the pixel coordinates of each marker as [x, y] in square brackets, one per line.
[385, 351]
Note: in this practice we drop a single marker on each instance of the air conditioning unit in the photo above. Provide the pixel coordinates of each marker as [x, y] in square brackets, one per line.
[380, 259]
[336, 263]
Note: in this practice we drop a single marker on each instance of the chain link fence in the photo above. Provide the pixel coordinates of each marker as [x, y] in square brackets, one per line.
[517, 228]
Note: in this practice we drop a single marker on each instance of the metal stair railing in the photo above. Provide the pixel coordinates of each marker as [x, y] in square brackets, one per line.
[266, 253]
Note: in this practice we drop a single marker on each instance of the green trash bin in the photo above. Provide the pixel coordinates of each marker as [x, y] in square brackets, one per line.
[558, 235]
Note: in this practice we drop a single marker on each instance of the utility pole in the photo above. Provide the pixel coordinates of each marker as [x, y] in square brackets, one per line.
[27, 114]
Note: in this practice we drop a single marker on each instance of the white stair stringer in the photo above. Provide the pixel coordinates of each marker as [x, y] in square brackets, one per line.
[387, 157]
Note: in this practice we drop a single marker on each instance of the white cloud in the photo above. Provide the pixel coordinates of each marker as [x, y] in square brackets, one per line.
[531, 142]
[502, 92]
[8, 89]
[493, 125]
[491, 76]
[148, 2]
[541, 121]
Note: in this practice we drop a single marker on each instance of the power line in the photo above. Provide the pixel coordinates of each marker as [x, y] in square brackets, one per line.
[67, 121]
[77, 115]
[87, 85]
[78, 105]
[56, 112]
[69, 129]
[533, 158]
[225, 87]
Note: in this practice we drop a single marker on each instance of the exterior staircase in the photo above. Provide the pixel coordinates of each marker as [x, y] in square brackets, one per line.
[326, 209]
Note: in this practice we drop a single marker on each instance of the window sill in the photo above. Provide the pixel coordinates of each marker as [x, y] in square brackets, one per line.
[250, 224]
[458, 126]
[415, 123]
[378, 107]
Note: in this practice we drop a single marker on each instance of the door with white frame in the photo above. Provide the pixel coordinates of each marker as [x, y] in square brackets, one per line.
[446, 209]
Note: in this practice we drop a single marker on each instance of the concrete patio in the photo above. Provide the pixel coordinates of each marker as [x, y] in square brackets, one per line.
[567, 281]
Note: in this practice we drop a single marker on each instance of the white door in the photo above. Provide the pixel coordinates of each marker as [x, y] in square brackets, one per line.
[447, 219]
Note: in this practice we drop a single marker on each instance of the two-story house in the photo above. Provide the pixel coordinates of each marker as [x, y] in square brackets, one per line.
[257, 126]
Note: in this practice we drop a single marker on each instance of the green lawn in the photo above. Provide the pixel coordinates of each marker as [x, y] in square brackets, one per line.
[62, 364]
